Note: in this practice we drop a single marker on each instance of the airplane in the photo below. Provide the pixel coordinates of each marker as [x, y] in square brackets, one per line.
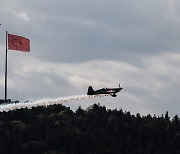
[111, 91]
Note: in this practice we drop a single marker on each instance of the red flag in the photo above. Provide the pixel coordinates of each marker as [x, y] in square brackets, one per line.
[19, 43]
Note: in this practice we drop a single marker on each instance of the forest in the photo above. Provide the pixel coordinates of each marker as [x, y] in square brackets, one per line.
[57, 129]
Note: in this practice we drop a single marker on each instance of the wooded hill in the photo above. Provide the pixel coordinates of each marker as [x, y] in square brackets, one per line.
[57, 130]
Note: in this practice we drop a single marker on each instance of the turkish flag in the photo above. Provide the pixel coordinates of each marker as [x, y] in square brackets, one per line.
[19, 43]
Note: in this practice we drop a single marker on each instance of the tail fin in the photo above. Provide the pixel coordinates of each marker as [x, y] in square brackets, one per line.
[90, 91]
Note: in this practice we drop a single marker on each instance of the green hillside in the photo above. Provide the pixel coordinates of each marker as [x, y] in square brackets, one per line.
[57, 129]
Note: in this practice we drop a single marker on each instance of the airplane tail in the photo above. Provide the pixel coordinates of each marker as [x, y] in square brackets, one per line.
[90, 91]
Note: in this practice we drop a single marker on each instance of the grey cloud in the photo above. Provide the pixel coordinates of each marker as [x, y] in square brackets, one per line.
[75, 40]
[72, 31]
[152, 89]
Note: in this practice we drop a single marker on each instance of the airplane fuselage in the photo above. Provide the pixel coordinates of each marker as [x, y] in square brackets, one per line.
[111, 91]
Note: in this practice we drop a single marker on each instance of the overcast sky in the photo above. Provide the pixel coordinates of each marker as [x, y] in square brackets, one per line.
[101, 43]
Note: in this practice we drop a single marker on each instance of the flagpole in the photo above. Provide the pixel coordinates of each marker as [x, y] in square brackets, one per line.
[6, 67]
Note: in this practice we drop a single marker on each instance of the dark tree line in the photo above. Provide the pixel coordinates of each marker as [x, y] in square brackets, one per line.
[57, 130]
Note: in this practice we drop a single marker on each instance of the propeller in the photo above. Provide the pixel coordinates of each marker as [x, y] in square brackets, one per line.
[120, 86]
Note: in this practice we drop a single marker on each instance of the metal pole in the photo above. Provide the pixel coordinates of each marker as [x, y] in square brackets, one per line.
[6, 67]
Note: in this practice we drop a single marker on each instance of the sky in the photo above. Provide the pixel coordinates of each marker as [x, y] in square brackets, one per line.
[100, 43]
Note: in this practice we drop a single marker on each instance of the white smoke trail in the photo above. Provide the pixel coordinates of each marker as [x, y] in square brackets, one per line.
[44, 102]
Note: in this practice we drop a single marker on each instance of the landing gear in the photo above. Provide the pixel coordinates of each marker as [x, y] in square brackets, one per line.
[113, 95]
